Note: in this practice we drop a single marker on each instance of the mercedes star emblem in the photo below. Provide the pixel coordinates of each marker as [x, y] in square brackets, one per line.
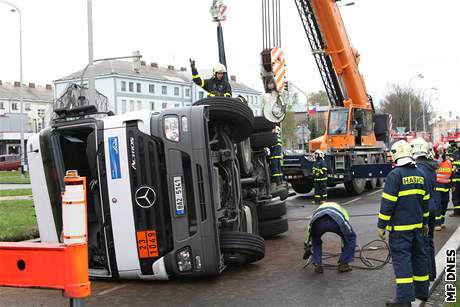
[145, 197]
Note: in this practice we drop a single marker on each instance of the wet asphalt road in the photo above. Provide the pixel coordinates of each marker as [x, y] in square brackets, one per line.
[278, 280]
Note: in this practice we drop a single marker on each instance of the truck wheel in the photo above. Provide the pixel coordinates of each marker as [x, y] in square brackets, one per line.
[371, 184]
[356, 186]
[262, 124]
[281, 193]
[380, 180]
[241, 247]
[263, 139]
[244, 155]
[273, 227]
[237, 116]
[271, 210]
[302, 186]
[251, 216]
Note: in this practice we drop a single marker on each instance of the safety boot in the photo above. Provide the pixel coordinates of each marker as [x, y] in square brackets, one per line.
[319, 268]
[344, 267]
[393, 303]
[438, 228]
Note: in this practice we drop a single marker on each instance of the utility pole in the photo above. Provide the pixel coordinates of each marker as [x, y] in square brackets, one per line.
[91, 82]
[218, 11]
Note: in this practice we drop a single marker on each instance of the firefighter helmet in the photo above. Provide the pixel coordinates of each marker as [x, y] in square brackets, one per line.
[419, 147]
[401, 149]
[219, 68]
[319, 153]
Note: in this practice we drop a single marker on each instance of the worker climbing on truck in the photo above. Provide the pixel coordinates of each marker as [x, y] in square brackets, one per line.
[320, 177]
[276, 156]
[216, 85]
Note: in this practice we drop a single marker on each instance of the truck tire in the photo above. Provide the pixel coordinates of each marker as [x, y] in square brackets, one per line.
[262, 124]
[254, 218]
[273, 227]
[271, 210]
[241, 247]
[236, 115]
[263, 139]
[302, 186]
[244, 155]
[380, 180]
[356, 186]
[371, 184]
[281, 193]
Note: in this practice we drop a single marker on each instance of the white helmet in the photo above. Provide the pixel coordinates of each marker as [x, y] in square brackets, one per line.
[319, 153]
[219, 68]
[419, 148]
[401, 149]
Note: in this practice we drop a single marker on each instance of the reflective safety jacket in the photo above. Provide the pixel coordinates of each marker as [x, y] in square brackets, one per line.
[404, 204]
[337, 213]
[443, 176]
[320, 170]
[213, 86]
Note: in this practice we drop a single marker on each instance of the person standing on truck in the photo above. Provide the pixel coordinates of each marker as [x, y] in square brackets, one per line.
[404, 213]
[215, 86]
[428, 167]
[442, 187]
[455, 158]
[330, 217]
[276, 158]
[320, 177]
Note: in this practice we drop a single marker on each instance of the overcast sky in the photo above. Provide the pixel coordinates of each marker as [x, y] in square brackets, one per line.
[396, 39]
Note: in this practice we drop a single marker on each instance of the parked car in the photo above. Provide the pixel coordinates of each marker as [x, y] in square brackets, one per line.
[10, 162]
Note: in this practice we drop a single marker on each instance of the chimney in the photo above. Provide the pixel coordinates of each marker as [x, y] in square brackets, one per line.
[142, 63]
[31, 85]
[170, 67]
[183, 69]
[17, 84]
[233, 78]
[154, 65]
[49, 87]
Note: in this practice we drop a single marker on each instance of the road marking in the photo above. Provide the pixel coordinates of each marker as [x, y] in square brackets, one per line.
[452, 243]
[375, 192]
[112, 289]
[350, 201]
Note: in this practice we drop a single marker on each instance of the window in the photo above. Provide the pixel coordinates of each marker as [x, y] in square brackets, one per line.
[131, 86]
[1, 106]
[187, 92]
[252, 99]
[41, 112]
[138, 87]
[201, 95]
[152, 105]
[139, 105]
[338, 122]
[123, 106]
[164, 105]
[123, 86]
[27, 107]
[363, 120]
[188, 104]
[39, 126]
[152, 88]
[176, 105]
[14, 105]
[131, 105]
[176, 91]
[164, 90]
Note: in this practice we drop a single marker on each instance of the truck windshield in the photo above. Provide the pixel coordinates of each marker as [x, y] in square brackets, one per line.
[338, 121]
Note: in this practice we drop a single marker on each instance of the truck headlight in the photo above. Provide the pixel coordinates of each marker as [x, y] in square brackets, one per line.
[171, 128]
[184, 260]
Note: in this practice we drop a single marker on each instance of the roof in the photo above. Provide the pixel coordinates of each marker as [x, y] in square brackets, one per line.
[9, 91]
[125, 68]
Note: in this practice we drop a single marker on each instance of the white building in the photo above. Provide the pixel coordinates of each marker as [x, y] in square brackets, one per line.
[149, 88]
[37, 106]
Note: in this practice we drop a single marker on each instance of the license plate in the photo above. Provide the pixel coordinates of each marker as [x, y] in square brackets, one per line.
[178, 194]
[147, 243]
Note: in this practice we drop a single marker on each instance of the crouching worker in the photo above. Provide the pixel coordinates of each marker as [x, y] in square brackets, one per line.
[330, 217]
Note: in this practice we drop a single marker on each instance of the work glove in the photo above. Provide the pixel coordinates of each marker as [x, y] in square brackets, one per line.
[381, 233]
[307, 251]
[426, 229]
[192, 64]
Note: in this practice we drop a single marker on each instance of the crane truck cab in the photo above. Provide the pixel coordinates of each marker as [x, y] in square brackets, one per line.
[164, 193]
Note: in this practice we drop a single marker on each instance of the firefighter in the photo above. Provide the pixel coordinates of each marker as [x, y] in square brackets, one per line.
[320, 177]
[330, 217]
[404, 214]
[276, 158]
[215, 86]
[455, 158]
[420, 153]
[442, 187]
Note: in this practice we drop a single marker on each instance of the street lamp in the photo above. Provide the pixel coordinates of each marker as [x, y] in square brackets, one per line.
[410, 104]
[423, 106]
[16, 9]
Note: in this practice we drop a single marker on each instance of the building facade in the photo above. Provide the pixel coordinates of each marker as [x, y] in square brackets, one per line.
[446, 129]
[149, 87]
[37, 107]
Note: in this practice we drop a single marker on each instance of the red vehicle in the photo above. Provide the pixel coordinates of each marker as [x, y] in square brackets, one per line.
[10, 162]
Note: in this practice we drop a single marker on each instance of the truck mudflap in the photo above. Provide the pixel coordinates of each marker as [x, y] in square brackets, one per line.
[378, 170]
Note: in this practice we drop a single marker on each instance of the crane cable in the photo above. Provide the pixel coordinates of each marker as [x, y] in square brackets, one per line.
[271, 24]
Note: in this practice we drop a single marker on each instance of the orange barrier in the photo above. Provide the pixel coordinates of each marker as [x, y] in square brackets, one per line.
[56, 266]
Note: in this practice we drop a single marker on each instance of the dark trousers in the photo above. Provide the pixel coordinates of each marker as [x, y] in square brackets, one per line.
[456, 198]
[410, 265]
[327, 224]
[429, 242]
[320, 190]
[441, 200]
